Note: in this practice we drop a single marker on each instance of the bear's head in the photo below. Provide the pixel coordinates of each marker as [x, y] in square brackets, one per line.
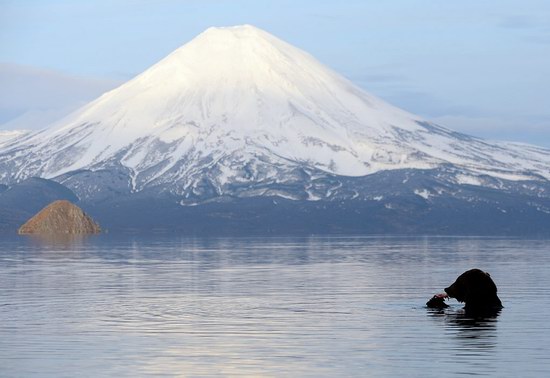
[474, 287]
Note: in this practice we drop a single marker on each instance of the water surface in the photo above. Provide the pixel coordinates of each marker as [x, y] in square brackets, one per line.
[335, 306]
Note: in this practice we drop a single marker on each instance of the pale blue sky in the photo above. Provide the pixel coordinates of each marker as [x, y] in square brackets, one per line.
[482, 67]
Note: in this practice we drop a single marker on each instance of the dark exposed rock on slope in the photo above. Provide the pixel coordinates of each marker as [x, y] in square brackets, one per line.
[60, 217]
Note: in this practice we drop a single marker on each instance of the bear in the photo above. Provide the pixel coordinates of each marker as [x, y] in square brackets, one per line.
[476, 289]
[478, 292]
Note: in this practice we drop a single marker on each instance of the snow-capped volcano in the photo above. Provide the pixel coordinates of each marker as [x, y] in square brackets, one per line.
[238, 107]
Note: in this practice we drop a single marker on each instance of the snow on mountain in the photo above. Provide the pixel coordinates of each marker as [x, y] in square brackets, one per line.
[238, 106]
[6, 135]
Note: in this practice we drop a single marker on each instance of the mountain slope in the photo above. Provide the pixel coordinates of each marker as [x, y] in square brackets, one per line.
[238, 112]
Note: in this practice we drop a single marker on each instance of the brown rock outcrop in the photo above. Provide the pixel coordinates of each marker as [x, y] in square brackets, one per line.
[60, 217]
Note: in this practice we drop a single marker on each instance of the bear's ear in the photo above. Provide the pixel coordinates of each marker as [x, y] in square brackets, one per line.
[487, 273]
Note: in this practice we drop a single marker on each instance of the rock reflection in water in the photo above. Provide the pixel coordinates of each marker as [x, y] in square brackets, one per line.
[57, 241]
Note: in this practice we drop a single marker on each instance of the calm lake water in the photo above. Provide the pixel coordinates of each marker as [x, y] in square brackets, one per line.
[338, 306]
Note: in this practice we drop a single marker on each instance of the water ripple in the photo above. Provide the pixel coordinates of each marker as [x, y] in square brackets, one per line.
[267, 307]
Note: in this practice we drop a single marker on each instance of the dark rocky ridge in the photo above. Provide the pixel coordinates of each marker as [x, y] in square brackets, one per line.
[406, 202]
